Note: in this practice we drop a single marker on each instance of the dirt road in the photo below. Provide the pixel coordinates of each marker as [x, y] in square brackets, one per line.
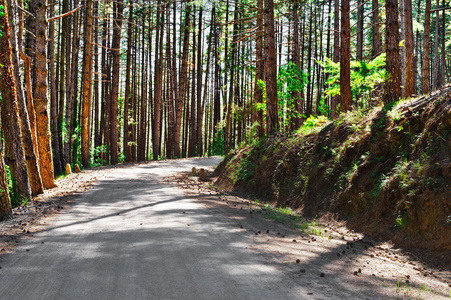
[136, 235]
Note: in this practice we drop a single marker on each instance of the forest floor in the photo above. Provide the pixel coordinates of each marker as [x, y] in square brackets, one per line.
[321, 259]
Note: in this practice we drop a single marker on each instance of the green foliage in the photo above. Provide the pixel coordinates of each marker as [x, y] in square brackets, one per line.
[312, 124]
[400, 222]
[217, 145]
[290, 82]
[16, 200]
[365, 76]
[96, 156]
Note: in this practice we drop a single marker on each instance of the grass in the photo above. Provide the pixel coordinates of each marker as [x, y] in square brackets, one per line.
[285, 215]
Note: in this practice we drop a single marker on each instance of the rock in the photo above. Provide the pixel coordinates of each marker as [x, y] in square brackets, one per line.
[202, 175]
[193, 171]
[77, 168]
[68, 169]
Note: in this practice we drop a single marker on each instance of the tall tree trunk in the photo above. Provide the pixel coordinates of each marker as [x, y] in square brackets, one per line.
[410, 66]
[71, 88]
[183, 78]
[40, 97]
[199, 109]
[14, 153]
[115, 45]
[54, 99]
[30, 152]
[270, 70]
[156, 121]
[377, 48]
[87, 85]
[345, 63]
[393, 83]
[259, 72]
[427, 30]
[436, 46]
[402, 47]
[336, 56]
[360, 25]
[298, 101]
[127, 106]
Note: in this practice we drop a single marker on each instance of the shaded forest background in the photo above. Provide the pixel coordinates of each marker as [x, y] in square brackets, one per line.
[103, 82]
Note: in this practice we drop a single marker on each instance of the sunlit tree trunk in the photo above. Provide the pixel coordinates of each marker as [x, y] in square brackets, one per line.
[427, 30]
[40, 97]
[115, 45]
[87, 85]
[30, 152]
[14, 153]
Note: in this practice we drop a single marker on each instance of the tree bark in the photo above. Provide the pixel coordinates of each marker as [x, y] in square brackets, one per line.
[127, 108]
[377, 49]
[336, 56]
[30, 152]
[270, 70]
[40, 97]
[436, 46]
[345, 63]
[115, 45]
[14, 152]
[183, 78]
[87, 85]
[58, 169]
[393, 82]
[410, 66]
[427, 30]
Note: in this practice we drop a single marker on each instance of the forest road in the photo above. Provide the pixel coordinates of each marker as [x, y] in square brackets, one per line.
[135, 236]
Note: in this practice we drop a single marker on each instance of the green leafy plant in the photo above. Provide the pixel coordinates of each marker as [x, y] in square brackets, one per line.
[365, 76]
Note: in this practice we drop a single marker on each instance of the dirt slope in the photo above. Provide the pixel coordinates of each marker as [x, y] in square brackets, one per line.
[386, 172]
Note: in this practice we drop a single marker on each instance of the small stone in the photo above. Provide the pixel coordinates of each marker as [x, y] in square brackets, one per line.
[322, 275]
[298, 261]
[302, 271]
[355, 273]
[338, 254]
[360, 271]
[294, 241]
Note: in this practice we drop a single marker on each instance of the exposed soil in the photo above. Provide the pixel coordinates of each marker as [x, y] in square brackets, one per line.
[350, 259]
[386, 173]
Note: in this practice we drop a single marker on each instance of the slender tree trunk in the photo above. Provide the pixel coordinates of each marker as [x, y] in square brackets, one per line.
[30, 153]
[298, 101]
[87, 85]
[127, 107]
[54, 99]
[410, 66]
[270, 70]
[157, 86]
[427, 30]
[377, 48]
[436, 46]
[115, 45]
[199, 109]
[259, 74]
[360, 26]
[40, 97]
[345, 63]
[393, 83]
[336, 56]
[183, 79]
[14, 152]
